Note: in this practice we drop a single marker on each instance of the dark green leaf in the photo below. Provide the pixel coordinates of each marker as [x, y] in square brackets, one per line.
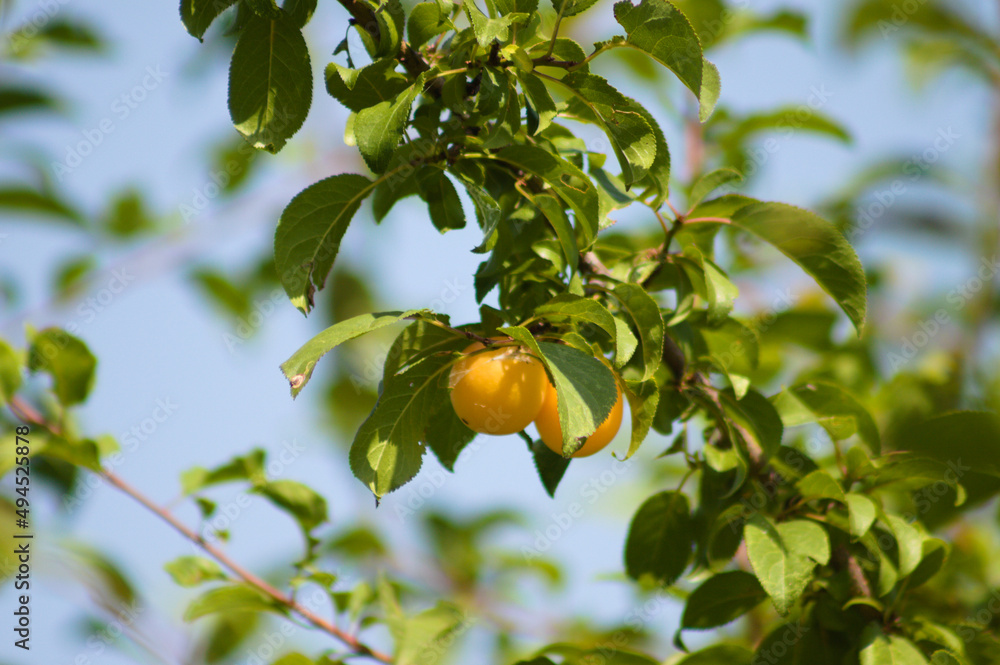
[443, 204]
[358, 89]
[722, 598]
[197, 15]
[379, 129]
[660, 538]
[550, 466]
[308, 236]
[19, 200]
[645, 314]
[270, 82]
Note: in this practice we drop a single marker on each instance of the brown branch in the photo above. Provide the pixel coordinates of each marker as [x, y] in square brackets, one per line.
[319, 622]
[590, 262]
[29, 414]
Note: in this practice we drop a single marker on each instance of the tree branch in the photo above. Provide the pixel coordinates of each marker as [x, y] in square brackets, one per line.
[27, 413]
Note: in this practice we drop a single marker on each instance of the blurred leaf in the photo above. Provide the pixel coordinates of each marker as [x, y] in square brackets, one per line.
[227, 632]
[302, 502]
[67, 360]
[21, 200]
[880, 649]
[21, 99]
[720, 654]
[222, 292]
[191, 571]
[840, 414]
[10, 372]
[231, 598]
[270, 82]
[660, 538]
[248, 467]
[968, 439]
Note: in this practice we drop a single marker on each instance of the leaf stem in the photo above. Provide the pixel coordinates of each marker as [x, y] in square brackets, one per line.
[708, 220]
[555, 29]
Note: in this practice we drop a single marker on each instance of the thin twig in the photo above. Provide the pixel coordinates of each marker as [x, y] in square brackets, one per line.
[708, 220]
[31, 415]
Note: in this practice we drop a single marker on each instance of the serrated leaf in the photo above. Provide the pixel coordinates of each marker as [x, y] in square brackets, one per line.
[585, 386]
[447, 435]
[231, 598]
[443, 204]
[722, 598]
[568, 182]
[553, 211]
[67, 360]
[486, 29]
[299, 368]
[643, 400]
[425, 22]
[358, 89]
[309, 232]
[817, 246]
[645, 314]
[660, 538]
[197, 15]
[540, 101]
[631, 137]
[782, 573]
[387, 450]
[550, 466]
[710, 182]
[659, 29]
[188, 571]
[270, 82]
[378, 129]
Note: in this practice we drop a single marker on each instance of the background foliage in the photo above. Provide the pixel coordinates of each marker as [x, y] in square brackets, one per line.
[863, 484]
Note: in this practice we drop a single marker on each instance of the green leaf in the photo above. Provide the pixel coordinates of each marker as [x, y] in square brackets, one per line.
[486, 29]
[568, 307]
[820, 485]
[783, 573]
[878, 648]
[710, 182]
[540, 101]
[554, 213]
[550, 466]
[422, 638]
[572, 7]
[17, 98]
[270, 82]
[299, 368]
[231, 598]
[720, 654]
[17, 199]
[191, 571]
[447, 435]
[722, 598]
[806, 538]
[585, 387]
[244, 467]
[426, 21]
[830, 405]
[816, 245]
[358, 89]
[379, 129]
[657, 28]
[963, 439]
[10, 372]
[721, 293]
[387, 450]
[660, 538]
[309, 232]
[294, 659]
[197, 15]
[631, 137]
[861, 512]
[643, 400]
[67, 360]
[626, 343]
[645, 314]
[442, 200]
[301, 501]
[756, 419]
[909, 541]
[567, 181]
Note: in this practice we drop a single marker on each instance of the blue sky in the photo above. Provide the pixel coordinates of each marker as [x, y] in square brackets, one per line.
[158, 343]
